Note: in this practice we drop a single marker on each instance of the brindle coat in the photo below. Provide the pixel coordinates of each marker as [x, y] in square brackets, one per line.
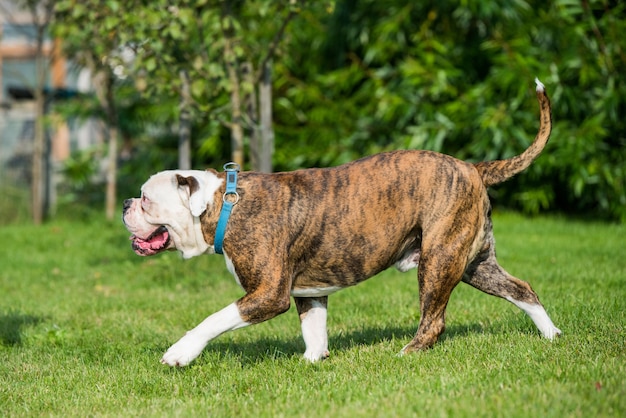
[335, 227]
[311, 232]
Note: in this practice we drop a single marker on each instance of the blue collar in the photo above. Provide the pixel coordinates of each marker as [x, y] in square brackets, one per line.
[231, 170]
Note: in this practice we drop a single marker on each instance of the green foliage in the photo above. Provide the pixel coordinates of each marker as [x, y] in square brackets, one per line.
[188, 35]
[89, 29]
[353, 78]
[80, 168]
[81, 191]
[458, 78]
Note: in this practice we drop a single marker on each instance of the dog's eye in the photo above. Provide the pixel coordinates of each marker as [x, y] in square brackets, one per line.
[144, 201]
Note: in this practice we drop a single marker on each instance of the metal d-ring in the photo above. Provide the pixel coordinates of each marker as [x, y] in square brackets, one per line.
[232, 167]
[231, 194]
[231, 170]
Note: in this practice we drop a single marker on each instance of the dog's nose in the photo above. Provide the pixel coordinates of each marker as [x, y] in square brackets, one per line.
[127, 204]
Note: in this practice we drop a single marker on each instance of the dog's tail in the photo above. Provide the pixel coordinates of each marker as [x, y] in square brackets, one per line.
[495, 172]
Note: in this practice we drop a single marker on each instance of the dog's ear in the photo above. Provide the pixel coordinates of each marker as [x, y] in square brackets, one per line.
[190, 189]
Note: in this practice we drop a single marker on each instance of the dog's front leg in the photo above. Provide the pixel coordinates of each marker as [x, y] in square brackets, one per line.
[264, 303]
[313, 314]
[191, 345]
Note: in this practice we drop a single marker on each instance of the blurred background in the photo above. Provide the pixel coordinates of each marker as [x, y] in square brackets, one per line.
[97, 95]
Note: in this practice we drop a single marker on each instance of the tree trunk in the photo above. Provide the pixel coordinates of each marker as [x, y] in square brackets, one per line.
[236, 132]
[236, 128]
[38, 166]
[184, 124]
[266, 146]
[111, 175]
[252, 116]
[103, 80]
[39, 178]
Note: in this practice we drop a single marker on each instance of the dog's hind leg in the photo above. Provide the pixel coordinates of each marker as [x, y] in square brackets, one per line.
[487, 275]
[440, 270]
[313, 314]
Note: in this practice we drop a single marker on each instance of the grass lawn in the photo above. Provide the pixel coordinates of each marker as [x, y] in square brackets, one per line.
[84, 322]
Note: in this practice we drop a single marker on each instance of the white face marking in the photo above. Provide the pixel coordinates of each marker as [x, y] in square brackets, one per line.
[164, 203]
[313, 292]
[539, 316]
[314, 333]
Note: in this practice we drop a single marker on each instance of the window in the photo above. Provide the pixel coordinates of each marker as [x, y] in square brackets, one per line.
[17, 73]
[20, 33]
[20, 73]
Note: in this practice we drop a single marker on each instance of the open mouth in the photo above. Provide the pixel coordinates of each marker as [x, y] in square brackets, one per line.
[157, 241]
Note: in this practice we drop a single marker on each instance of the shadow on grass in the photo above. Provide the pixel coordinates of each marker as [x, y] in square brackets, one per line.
[276, 348]
[11, 325]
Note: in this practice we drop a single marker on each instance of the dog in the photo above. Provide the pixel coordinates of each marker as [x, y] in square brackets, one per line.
[309, 233]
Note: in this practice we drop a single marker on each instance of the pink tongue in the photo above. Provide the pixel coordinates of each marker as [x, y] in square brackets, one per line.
[151, 246]
[155, 242]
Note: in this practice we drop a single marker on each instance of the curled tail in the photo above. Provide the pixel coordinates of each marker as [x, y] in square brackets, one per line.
[495, 172]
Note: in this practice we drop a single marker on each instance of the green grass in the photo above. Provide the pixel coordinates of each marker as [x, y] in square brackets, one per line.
[84, 322]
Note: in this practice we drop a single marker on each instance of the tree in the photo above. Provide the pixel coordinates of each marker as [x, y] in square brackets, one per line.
[457, 78]
[351, 78]
[41, 15]
[210, 47]
[89, 33]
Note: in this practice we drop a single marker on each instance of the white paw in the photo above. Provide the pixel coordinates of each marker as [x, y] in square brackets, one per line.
[316, 355]
[184, 351]
[538, 314]
[403, 351]
[551, 332]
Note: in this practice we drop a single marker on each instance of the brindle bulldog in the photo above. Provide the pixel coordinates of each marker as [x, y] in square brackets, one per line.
[309, 233]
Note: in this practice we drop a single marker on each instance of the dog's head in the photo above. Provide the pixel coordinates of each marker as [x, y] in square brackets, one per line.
[166, 216]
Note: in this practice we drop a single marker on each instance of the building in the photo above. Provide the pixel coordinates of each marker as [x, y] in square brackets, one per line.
[17, 108]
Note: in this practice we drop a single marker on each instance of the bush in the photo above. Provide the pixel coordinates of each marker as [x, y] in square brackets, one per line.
[458, 78]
